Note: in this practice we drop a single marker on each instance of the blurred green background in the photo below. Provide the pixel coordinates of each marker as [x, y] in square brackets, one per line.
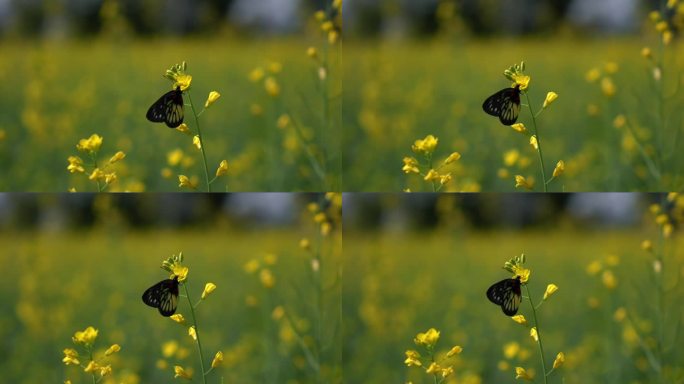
[84, 260]
[71, 69]
[417, 261]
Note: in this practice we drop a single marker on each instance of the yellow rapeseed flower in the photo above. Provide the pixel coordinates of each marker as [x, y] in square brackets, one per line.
[560, 168]
[181, 372]
[455, 351]
[211, 99]
[91, 367]
[519, 127]
[511, 157]
[91, 144]
[522, 80]
[183, 81]
[511, 350]
[520, 319]
[550, 290]
[522, 182]
[533, 334]
[521, 373]
[197, 142]
[319, 15]
[608, 87]
[208, 289]
[410, 165]
[432, 175]
[453, 157]
[592, 75]
[97, 174]
[267, 279]
[560, 359]
[70, 357]
[428, 338]
[534, 143]
[425, 146]
[256, 74]
[218, 359]
[178, 318]
[445, 179]
[222, 168]
[333, 36]
[550, 98]
[75, 164]
[312, 52]
[113, 349]
[192, 332]
[85, 337]
[304, 243]
[646, 53]
[184, 181]
[447, 371]
[105, 370]
[412, 358]
[110, 177]
[608, 279]
[337, 4]
[433, 368]
[117, 156]
[271, 86]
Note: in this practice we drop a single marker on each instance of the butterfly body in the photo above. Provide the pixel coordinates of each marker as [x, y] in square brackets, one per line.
[506, 294]
[504, 104]
[168, 109]
[163, 296]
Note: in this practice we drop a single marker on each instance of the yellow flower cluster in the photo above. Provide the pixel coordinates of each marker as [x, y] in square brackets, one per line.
[432, 366]
[86, 339]
[331, 24]
[102, 174]
[426, 147]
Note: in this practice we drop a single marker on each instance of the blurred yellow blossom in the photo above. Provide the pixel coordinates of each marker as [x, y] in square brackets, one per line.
[113, 349]
[117, 156]
[211, 99]
[521, 373]
[428, 338]
[533, 334]
[522, 182]
[560, 359]
[222, 168]
[180, 372]
[560, 168]
[70, 357]
[272, 87]
[410, 165]
[267, 279]
[453, 157]
[425, 146]
[520, 319]
[413, 358]
[519, 127]
[208, 289]
[455, 351]
[550, 98]
[218, 359]
[75, 164]
[178, 318]
[550, 290]
[90, 145]
[608, 279]
[85, 337]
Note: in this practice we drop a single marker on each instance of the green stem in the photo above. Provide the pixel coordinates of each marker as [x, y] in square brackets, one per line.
[199, 133]
[539, 339]
[539, 147]
[90, 353]
[194, 323]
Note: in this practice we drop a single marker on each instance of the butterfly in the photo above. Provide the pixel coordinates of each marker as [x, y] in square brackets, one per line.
[163, 296]
[168, 109]
[505, 104]
[506, 293]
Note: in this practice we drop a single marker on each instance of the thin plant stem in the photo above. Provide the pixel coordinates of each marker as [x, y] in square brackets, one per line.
[199, 133]
[539, 147]
[539, 339]
[194, 323]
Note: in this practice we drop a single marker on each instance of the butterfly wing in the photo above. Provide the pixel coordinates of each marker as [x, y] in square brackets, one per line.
[506, 294]
[504, 104]
[168, 109]
[163, 296]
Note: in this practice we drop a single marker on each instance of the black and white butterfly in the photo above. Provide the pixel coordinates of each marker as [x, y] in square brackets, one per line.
[505, 104]
[163, 296]
[168, 109]
[506, 293]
